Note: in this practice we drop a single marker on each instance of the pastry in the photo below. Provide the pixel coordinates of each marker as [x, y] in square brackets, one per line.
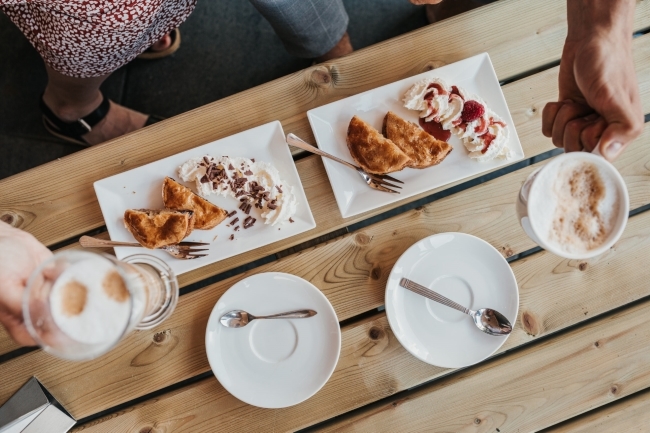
[179, 197]
[372, 151]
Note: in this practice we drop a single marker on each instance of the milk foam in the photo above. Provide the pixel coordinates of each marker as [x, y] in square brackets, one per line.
[89, 302]
[574, 205]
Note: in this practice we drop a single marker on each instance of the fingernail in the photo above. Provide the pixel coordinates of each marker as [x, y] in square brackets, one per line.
[613, 149]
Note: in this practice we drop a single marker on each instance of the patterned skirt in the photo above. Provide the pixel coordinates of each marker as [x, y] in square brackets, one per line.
[89, 38]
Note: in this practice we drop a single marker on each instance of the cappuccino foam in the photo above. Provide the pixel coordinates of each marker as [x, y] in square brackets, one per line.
[89, 302]
[575, 206]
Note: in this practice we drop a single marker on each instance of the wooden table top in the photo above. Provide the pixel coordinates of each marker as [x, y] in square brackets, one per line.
[576, 361]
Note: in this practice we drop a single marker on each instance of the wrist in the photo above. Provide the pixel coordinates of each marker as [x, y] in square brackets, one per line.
[589, 18]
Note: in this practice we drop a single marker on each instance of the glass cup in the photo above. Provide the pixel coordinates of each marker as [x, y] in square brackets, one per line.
[532, 191]
[78, 305]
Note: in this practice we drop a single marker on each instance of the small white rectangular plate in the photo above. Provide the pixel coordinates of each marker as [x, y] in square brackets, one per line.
[330, 124]
[142, 188]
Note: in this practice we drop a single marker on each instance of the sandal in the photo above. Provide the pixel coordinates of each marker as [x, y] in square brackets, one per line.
[72, 131]
[171, 49]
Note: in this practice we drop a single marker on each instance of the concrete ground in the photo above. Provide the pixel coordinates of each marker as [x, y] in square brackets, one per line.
[227, 47]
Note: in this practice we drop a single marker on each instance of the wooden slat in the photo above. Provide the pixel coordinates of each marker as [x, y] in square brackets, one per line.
[630, 415]
[530, 389]
[351, 271]
[373, 365]
[54, 211]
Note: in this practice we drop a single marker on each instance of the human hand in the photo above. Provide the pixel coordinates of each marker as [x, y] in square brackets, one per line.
[20, 254]
[425, 2]
[598, 91]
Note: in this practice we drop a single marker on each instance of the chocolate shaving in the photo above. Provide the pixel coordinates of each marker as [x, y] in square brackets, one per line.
[234, 221]
[237, 228]
[230, 167]
[247, 210]
[279, 188]
[272, 206]
[291, 220]
[240, 193]
[231, 237]
[248, 220]
[231, 213]
[207, 161]
[253, 159]
[248, 173]
[205, 179]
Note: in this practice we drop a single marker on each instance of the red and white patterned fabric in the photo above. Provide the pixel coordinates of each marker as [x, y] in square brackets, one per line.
[89, 38]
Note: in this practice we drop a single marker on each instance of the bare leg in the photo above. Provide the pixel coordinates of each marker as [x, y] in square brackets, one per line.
[72, 98]
[342, 48]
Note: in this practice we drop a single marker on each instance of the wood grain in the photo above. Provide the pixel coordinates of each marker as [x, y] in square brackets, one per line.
[351, 272]
[530, 389]
[55, 211]
[373, 365]
[630, 415]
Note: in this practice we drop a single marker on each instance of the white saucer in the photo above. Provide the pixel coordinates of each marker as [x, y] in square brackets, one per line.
[274, 363]
[465, 269]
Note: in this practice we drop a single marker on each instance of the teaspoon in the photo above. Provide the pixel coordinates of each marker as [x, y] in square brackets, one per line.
[241, 318]
[486, 319]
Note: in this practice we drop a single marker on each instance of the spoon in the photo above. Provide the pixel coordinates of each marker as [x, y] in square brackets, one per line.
[486, 319]
[240, 318]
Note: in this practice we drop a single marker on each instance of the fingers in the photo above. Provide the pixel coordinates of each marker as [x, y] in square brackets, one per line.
[591, 134]
[21, 336]
[616, 137]
[425, 2]
[568, 112]
[548, 117]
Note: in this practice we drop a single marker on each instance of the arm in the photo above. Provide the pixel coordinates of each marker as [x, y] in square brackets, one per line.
[598, 91]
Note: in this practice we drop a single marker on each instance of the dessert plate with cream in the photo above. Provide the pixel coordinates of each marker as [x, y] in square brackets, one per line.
[467, 123]
[275, 208]
[279, 362]
[465, 269]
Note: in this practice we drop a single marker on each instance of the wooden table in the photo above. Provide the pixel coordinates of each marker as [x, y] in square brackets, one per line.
[580, 344]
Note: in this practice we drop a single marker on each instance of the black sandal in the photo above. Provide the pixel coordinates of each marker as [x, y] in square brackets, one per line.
[72, 131]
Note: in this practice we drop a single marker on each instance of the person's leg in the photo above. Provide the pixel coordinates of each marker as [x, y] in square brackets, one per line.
[313, 29]
[450, 8]
[72, 98]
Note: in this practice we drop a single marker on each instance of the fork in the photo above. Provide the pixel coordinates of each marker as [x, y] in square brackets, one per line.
[183, 250]
[374, 181]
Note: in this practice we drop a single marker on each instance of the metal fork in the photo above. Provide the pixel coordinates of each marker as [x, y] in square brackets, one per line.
[375, 181]
[183, 250]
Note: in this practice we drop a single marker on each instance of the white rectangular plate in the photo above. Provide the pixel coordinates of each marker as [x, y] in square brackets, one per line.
[330, 124]
[142, 188]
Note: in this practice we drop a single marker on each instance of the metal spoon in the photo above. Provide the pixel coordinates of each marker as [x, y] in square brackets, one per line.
[240, 318]
[486, 319]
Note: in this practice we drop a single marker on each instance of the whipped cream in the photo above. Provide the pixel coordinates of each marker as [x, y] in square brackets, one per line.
[485, 138]
[256, 183]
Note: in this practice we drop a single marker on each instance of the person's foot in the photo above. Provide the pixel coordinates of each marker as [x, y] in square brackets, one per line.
[162, 44]
[448, 9]
[119, 120]
[342, 48]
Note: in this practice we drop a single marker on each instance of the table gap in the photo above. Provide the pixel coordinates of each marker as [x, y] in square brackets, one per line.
[403, 395]
[620, 401]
